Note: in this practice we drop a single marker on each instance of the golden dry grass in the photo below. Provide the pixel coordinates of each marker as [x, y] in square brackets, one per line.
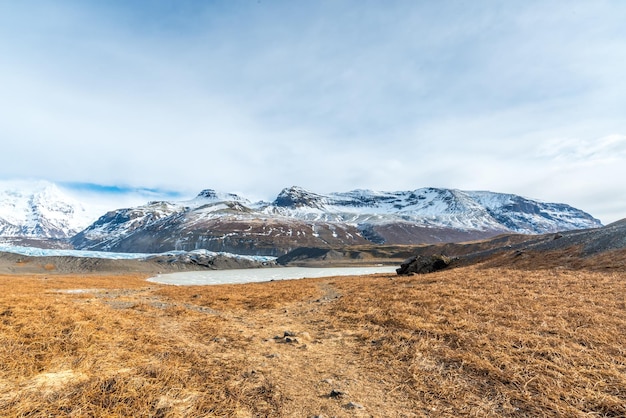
[497, 342]
[464, 342]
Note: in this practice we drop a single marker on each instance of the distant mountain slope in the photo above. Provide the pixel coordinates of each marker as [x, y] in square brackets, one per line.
[297, 218]
[596, 249]
[431, 207]
[40, 210]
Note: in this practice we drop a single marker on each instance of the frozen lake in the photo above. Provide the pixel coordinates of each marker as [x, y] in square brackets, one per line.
[262, 274]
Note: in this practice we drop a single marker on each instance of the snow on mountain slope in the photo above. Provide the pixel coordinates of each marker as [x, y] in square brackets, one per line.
[297, 217]
[426, 206]
[433, 207]
[228, 222]
[208, 222]
[210, 195]
[40, 209]
[125, 221]
[530, 216]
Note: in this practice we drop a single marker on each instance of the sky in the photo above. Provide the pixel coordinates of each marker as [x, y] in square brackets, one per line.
[254, 96]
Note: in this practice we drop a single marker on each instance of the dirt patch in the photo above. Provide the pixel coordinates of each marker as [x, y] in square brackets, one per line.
[55, 381]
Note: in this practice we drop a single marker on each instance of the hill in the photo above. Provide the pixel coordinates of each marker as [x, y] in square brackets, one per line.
[597, 248]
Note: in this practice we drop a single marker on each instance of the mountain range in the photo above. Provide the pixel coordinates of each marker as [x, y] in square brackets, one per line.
[297, 217]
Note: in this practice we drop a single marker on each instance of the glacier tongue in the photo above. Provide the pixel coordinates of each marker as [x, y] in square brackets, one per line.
[40, 252]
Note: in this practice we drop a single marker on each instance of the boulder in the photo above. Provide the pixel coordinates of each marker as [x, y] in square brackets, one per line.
[423, 264]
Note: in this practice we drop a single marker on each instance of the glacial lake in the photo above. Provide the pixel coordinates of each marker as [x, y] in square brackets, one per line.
[212, 277]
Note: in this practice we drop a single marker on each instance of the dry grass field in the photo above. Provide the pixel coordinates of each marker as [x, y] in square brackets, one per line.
[470, 341]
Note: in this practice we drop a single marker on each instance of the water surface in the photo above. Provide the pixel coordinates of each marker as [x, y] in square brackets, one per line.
[208, 277]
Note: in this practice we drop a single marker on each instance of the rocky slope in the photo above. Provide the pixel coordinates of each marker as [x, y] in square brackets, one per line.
[598, 249]
[300, 218]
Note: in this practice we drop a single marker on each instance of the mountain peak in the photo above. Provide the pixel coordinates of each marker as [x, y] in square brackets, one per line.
[39, 209]
[211, 194]
[207, 194]
[297, 197]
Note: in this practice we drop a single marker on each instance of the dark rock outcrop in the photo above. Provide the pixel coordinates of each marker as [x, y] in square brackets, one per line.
[296, 197]
[424, 264]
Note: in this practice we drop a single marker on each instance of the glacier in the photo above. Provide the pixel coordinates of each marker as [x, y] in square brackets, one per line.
[40, 252]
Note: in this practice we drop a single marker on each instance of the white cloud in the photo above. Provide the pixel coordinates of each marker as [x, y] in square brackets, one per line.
[252, 97]
[570, 151]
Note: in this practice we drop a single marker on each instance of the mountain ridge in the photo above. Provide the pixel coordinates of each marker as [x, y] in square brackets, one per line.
[297, 217]
[219, 221]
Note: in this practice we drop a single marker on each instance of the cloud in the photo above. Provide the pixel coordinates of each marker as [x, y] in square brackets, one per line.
[604, 150]
[254, 96]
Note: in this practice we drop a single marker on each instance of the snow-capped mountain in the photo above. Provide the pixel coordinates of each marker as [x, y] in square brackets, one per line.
[297, 217]
[434, 207]
[40, 210]
[213, 221]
